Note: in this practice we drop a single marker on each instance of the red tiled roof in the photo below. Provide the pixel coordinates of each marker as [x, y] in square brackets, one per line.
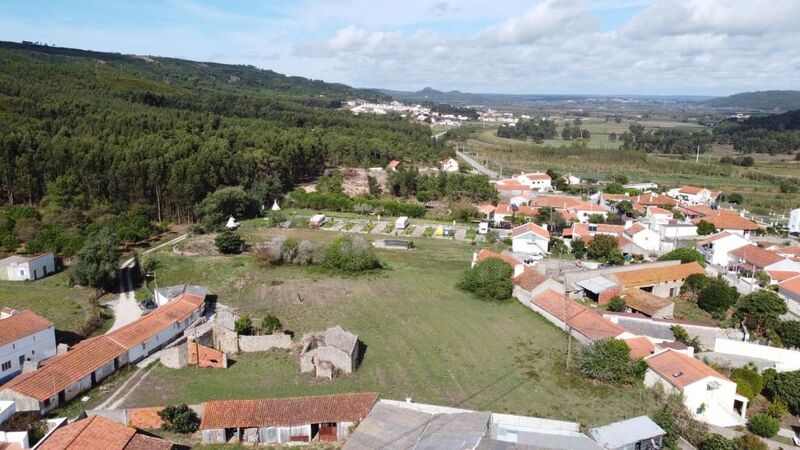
[578, 317]
[728, 221]
[792, 285]
[142, 330]
[99, 433]
[679, 369]
[511, 185]
[394, 163]
[529, 279]
[20, 325]
[536, 176]
[487, 209]
[582, 229]
[657, 210]
[653, 199]
[504, 209]
[530, 227]
[713, 237]
[792, 250]
[755, 255]
[486, 253]
[641, 347]
[691, 190]
[557, 201]
[645, 302]
[780, 275]
[641, 277]
[635, 228]
[64, 370]
[285, 412]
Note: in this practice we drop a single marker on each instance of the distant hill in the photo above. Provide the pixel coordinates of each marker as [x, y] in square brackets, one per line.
[789, 121]
[762, 100]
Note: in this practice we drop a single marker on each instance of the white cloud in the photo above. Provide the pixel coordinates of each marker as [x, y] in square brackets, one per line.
[547, 18]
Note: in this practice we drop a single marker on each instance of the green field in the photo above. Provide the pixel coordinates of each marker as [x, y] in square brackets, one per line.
[51, 297]
[425, 339]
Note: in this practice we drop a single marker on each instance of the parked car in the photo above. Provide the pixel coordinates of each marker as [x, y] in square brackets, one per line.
[148, 305]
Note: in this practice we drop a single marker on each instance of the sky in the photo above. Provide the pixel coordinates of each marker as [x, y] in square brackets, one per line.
[652, 47]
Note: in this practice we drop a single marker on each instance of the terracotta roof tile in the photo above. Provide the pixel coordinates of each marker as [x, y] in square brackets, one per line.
[755, 255]
[691, 190]
[529, 279]
[557, 201]
[657, 210]
[142, 330]
[645, 302]
[790, 251]
[486, 253]
[21, 324]
[536, 176]
[487, 209]
[679, 369]
[635, 228]
[99, 433]
[578, 317]
[641, 277]
[530, 227]
[792, 285]
[713, 237]
[641, 347]
[781, 275]
[728, 221]
[511, 185]
[284, 412]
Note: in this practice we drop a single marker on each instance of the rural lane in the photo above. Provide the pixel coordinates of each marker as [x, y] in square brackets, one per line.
[126, 308]
[477, 166]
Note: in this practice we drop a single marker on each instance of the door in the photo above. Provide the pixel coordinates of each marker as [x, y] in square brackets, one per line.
[327, 432]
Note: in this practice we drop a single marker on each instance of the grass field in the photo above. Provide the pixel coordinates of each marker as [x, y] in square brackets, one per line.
[52, 297]
[759, 194]
[425, 339]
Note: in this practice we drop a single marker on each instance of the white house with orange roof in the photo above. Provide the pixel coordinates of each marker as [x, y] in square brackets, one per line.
[716, 248]
[24, 337]
[530, 239]
[710, 396]
[693, 195]
[729, 221]
[645, 238]
[790, 290]
[658, 215]
[536, 181]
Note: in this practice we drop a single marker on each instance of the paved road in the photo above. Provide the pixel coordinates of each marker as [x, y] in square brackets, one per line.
[125, 308]
[477, 166]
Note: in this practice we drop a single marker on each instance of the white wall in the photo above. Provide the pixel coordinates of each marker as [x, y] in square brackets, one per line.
[35, 347]
[785, 360]
[530, 243]
[33, 269]
[717, 403]
[794, 221]
[648, 240]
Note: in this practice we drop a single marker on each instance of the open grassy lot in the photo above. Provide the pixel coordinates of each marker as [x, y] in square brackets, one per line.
[425, 339]
[52, 297]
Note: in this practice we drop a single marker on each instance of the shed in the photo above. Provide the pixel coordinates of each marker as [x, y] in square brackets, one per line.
[599, 289]
[401, 223]
[649, 304]
[639, 433]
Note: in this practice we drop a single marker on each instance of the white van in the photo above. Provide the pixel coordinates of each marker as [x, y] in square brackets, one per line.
[401, 223]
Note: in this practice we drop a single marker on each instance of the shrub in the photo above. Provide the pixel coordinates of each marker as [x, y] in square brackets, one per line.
[789, 332]
[228, 242]
[705, 228]
[717, 296]
[695, 283]
[763, 425]
[717, 442]
[609, 360]
[605, 249]
[617, 304]
[578, 248]
[784, 386]
[223, 203]
[684, 255]
[760, 310]
[777, 409]
[682, 336]
[271, 324]
[179, 418]
[677, 421]
[746, 376]
[351, 254]
[97, 261]
[244, 325]
[490, 279]
[750, 442]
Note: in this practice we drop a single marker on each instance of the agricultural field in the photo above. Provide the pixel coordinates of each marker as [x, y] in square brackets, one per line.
[760, 195]
[424, 338]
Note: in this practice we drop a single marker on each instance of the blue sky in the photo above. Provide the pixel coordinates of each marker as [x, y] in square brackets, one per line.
[712, 47]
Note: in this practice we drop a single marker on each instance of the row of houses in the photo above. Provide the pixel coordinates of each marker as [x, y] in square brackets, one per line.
[709, 395]
[64, 376]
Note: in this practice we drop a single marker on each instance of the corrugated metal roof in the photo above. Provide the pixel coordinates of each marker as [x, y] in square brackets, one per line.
[596, 284]
[620, 434]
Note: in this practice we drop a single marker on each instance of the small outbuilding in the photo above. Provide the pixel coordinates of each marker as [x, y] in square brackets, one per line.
[639, 433]
[317, 220]
[401, 223]
[328, 352]
[232, 224]
[27, 268]
[323, 418]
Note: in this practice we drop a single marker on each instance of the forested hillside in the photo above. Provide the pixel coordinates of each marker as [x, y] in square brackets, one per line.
[776, 134]
[781, 100]
[89, 135]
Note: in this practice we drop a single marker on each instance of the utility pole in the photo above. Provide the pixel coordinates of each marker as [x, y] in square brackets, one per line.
[697, 157]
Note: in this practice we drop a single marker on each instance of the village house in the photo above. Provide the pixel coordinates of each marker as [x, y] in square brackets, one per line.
[661, 281]
[27, 268]
[25, 337]
[675, 230]
[794, 221]
[530, 239]
[790, 290]
[530, 283]
[626, 240]
[97, 432]
[643, 237]
[643, 186]
[505, 212]
[782, 270]
[731, 222]
[571, 179]
[535, 181]
[658, 215]
[709, 395]
[323, 418]
[448, 165]
[749, 259]
[716, 248]
[510, 187]
[66, 376]
[693, 195]
[790, 252]
[583, 324]
[638, 433]
[325, 353]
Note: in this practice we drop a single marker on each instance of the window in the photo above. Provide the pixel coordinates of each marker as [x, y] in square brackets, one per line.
[47, 403]
[6, 365]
